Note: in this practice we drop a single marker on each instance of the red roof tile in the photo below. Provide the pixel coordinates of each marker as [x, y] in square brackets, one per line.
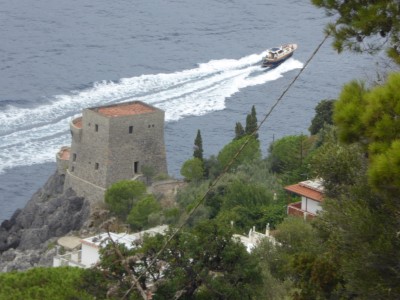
[64, 154]
[305, 191]
[77, 122]
[125, 109]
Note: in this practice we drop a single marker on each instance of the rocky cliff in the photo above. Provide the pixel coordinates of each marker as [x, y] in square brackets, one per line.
[27, 239]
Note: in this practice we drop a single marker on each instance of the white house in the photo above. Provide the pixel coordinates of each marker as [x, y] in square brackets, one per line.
[89, 255]
[312, 195]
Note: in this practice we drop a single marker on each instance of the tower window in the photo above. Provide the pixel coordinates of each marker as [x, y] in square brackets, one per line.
[130, 129]
[96, 166]
[96, 127]
[74, 157]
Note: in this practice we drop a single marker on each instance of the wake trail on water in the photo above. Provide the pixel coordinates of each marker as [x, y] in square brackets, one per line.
[31, 136]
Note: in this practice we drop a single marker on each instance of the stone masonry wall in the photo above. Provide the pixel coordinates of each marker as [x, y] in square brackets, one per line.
[145, 145]
[92, 193]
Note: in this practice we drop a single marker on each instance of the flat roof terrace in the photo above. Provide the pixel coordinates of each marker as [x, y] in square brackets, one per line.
[124, 109]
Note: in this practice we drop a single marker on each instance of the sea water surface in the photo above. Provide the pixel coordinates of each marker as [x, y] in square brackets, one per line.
[197, 60]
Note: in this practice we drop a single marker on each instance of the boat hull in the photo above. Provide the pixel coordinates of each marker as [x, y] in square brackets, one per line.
[274, 64]
[276, 56]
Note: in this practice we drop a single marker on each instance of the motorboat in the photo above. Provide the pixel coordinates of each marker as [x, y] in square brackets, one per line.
[276, 56]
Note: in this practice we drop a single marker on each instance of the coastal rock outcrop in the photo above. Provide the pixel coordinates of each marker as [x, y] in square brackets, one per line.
[27, 237]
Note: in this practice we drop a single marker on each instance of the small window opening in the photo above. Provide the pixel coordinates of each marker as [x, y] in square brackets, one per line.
[96, 166]
[130, 129]
[96, 127]
[74, 157]
[136, 167]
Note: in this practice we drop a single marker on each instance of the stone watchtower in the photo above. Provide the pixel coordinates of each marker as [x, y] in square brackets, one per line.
[112, 143]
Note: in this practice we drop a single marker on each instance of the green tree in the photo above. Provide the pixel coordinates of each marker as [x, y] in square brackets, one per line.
[364, 25]
[192, 169]
[323, 116]
[370, 117]
[301, 258]
[198, 146]
[360, 221]
[251, 122]
[222, 270]
[186, 269]
[148, 172]
[290, 155]
[43, 283]
[249, 153]
[239, 131]
[122, 196]
[138, 217]
[212, 167]
[339, 165]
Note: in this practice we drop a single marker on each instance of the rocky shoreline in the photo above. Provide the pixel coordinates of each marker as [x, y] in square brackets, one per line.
[28, 238]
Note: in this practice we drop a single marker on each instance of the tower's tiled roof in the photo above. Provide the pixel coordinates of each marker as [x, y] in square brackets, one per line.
[125, 109]
[77, 122]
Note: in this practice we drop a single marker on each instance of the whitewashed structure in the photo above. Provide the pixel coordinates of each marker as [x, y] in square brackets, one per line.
[89, 255]
[254, 238]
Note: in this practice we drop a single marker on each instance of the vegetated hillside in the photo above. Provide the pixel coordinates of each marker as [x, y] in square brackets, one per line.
[349, 251]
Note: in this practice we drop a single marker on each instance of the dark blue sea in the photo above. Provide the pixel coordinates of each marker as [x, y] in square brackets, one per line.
[197, 60]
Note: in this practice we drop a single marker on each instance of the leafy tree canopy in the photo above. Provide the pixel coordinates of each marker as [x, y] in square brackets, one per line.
[364, 25]
[138, 217]
[371, 117]
[249, 153]
[43, 283]
[122, 195]
[289, 156]
[222, 270]
[323, 115]
[193, 169]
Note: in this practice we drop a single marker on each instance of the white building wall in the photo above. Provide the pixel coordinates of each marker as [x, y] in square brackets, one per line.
[90, 255]
[310, 205]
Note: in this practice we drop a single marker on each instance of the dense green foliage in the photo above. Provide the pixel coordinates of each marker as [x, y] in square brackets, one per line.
[249, 153]
[364, 25]
[290, 155]
[323, 116]
[221, 270]
[139, 216]
[43, 283]
[192, 169]
[370, 117]
[122, 196]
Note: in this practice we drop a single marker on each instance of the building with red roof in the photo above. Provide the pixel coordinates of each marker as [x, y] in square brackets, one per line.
[112, 143]
[312, 195]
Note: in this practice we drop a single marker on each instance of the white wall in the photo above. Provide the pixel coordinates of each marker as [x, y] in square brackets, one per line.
[310, 205]
[90, 255]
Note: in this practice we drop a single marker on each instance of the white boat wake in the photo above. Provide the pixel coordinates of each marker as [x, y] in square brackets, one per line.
[31, 136]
